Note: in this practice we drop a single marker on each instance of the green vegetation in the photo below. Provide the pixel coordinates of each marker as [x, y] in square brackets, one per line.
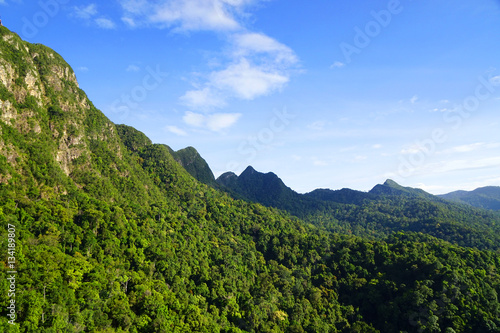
[485, 197]
[114, 235]
[387, 209]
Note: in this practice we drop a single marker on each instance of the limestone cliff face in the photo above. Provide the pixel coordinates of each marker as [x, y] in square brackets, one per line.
[41, 102]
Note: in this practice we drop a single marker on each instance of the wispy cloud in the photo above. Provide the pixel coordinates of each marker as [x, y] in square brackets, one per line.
[203, 99]
[337, 64]
[472, 147]
[414, 99]
[257, 66]
[214, 122]
[247, 44]
[186, 15]
[105, 23]
[85, 12]
[251, 65]
[176, 130]
[89, 14]
[460, 165]
[133, 68]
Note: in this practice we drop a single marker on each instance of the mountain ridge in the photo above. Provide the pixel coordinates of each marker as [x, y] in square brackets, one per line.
[348, 211]
[484, 197]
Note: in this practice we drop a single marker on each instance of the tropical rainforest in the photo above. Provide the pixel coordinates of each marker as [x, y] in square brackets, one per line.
[114, 233]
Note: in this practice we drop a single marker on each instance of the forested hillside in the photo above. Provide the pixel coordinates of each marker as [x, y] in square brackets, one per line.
[484, 197]
[386, 209]
[112, 234]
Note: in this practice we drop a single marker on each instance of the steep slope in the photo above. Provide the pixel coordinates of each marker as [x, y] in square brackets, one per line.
[191, 160]
[113, 235]
[484, 197]
[188, 158]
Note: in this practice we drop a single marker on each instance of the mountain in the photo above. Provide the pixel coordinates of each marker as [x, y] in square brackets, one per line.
[345, 196]
[484, 197]
[386, 209]
[191, 160]
[390, 187]
[107, 232]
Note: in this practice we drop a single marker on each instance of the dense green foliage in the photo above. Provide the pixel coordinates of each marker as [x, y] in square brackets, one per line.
[385, 210]
[484, 197]
[114, 235]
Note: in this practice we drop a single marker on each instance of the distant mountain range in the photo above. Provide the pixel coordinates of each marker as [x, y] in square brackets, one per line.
[484, 197]
[385, 209]
[269, 190]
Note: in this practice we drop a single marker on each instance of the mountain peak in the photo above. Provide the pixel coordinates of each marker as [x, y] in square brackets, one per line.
[249, 170]
[392, 183]
[390, 187]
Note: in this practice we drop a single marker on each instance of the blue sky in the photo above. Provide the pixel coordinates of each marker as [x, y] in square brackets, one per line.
[326, 94]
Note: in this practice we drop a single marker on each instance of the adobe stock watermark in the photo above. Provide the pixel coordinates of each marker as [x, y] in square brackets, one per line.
[12, 273]
[488, 85]
[363, 37]
[253, 144]
[139, 93]
[48, 9]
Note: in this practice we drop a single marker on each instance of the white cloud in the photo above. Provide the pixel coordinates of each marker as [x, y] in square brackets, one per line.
[377, 146]
[105, 23]
[185, 15]
[85, 12]
[246, 81]
[133, 68]
[473, 147]
[202, 99]
[252, 65]
[413, 149]
[467, 148]
[83, 69]
[460, 165]
[220, 121]
[255, 43]
[337, 64]
[194, 119]
[176, 130]
[258, 66]
[414, 99]
[195, 15]
[214, 122]
[129, 21]
[318, 162]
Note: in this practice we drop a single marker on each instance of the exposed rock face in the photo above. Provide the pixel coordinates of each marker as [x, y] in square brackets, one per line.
[6, 74]
[40, 98]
